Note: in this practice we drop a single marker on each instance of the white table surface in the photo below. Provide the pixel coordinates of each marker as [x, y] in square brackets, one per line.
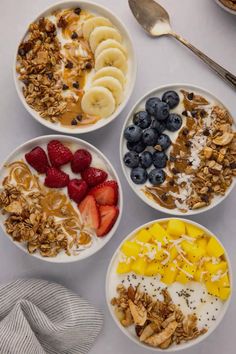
[161, 61]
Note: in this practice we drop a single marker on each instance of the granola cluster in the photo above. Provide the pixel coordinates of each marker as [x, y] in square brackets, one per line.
[231, 4]
[157, 323]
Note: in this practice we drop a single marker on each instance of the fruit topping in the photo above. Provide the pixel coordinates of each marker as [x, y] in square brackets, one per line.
[133, 133]
[77, 189]
[158, 126]
[94, 176]
[89, 212]
[56, 178]
[105, 193]
[37, 158]
[137, 147]
[150, 137]
[161, 111]
[145, 159]
[58, 153]
[80, 161]
[108, 215]
[174, 122]
[151, 105]
[142, 119]
[164, 141]
[159, 159]
[171, 98]
[131, 159]
[139, 175]
[156, 177]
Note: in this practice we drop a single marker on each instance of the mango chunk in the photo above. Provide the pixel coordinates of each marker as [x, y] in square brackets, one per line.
[214, 248]
[170, 274]
[224, 293]
[193, 251]
[200, 275]
[212, 288]
[123, 268]
[224, 281]
[158, 233]
[154, 268]
[176, 227]
[214, 268]
[182, 278]
[189, 268]
[160, 255]
[202, 242]
[139, 266]
[131, 249]
[143, 236]
[194, 231]
[173, 253]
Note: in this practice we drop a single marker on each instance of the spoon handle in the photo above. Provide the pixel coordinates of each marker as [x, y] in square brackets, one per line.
[225, 74]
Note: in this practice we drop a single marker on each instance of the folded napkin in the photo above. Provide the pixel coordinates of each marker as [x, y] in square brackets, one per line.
[38, 317]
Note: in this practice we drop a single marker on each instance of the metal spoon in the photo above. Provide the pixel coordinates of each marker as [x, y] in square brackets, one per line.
[156, 22]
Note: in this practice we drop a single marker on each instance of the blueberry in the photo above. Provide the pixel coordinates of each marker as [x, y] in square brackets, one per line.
[164, 141]
[159, 159]
[139, 175]
[151, 105]
[145, 159]
[133, 133]
[174, 122]
[137, 147]
[162, 111]
[150, 136]
[156, 177]
[171, 98]
[142, 119]
[131, 159]
[158, 126]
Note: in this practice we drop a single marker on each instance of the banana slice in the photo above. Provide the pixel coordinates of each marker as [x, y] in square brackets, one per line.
[110, 43]
[92, 23]
[110, 71]
[102, 33]
[98, 101]
[111, 57]
[111, 84]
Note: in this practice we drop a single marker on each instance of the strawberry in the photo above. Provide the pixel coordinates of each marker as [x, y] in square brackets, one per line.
[77, 189]
[105, 193]
[89, 212]
[56, 178]
[94, 176]
[58, 153]
[108, 215]
[81, 160]
[37, 158]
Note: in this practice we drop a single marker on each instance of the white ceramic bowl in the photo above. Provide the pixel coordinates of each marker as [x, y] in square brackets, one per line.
[131, 75]
[42, 141]
[140, 105]
[225, 7]
[111, 285]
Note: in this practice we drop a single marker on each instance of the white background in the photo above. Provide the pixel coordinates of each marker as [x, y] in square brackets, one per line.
[160, 61]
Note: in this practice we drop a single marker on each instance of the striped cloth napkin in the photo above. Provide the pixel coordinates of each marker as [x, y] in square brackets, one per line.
[38, 317]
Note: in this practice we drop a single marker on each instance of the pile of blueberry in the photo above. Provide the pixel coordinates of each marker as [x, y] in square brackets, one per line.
[147, 130]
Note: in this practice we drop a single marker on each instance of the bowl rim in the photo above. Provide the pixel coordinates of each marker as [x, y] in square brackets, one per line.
[233, 12]
[147, 201]
[45, 139]
[104, 121]
[189, 344]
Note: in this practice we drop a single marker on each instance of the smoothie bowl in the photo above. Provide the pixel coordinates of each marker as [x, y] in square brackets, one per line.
[60, 198]
[178, 150]
[75, 67]
[169, 284]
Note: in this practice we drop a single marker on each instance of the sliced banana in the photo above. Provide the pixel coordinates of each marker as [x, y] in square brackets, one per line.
[98, 101]
[110, 71]
[111, 57]
[94, 22]
[110, 43]
[102, 33]
[111, 84]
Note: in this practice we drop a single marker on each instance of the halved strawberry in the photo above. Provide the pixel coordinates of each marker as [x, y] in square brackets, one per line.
[58, 153]
[108, 215]
[105, 193]
[93, 176]
[89, 212]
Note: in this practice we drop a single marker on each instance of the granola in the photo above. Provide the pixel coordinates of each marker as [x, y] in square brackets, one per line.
[231, 4]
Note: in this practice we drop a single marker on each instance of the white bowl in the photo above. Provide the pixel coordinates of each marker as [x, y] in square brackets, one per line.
[136, 188]
[131, 75]
[20, 151]
[225, 7]
[111, 285]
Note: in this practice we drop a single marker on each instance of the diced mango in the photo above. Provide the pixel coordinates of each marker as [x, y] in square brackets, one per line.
[154, 268]
[131, 249]
[158, 233]
[143, 236]
[176, 227]
[199, 275]
[194, 231]
[214, 268]
[202, 242]
[139, 266]
[189, 268]
[182, 278]
[214, 248]
[212, 288]
[160, 255]
[123, 268]
[173, 253]
[224, 293]
[170, 274]
[193, 251]
[224, 281]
